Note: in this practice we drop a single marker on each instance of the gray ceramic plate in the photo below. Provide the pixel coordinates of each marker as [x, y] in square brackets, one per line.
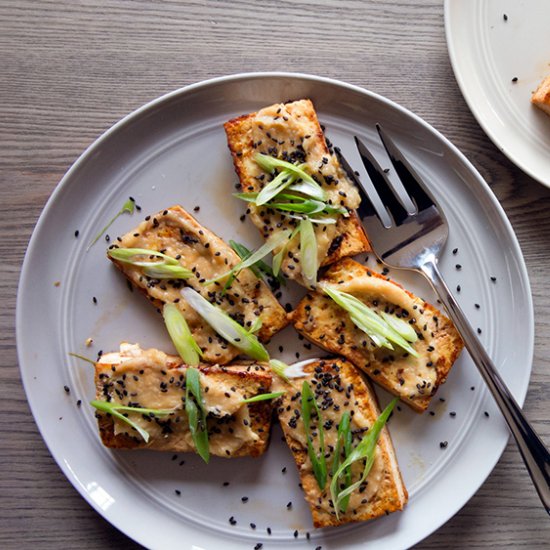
[173, 151]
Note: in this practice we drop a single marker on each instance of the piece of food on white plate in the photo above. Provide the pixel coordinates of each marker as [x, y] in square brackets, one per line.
[292, 181]
[400, 341]
[343, 451]
[541, 96]
[171, 254]
[146, 399]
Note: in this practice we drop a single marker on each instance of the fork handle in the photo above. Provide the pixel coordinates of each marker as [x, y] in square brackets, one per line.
[532, 449]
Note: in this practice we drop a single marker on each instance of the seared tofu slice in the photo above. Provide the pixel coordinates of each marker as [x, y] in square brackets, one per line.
[413, 379]
[339, 387]
[177, 234]
[541, 96]
[152, 379]
[291, 131]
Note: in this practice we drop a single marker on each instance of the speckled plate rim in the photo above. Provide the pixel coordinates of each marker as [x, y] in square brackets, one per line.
[520, 391]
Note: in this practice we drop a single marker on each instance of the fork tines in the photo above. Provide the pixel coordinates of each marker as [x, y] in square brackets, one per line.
[399, 207]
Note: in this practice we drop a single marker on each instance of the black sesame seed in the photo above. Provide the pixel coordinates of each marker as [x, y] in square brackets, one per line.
[94, 300]
[477, 306]
[472, 388]
[505, 17]
[289, 505]
[458, 288]
[225, 483]
[515, 79]
[494, 279]
[67, 389]
[253, 526]
[486, 414]
[458, 267]
[452, 413]
[479, 331]
[258, 546]
[268, 530]
[244, 499]
[455, 250]
[76, 233]
[432, 413]
[178, 492]
[196, 209]
[443, 444]
[79, 402]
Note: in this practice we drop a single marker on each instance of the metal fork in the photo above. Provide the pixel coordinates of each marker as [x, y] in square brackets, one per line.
[412, 239]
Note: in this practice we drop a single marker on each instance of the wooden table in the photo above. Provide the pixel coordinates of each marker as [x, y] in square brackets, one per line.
[69, 70]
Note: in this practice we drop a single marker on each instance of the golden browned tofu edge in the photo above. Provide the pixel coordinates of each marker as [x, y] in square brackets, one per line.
[450, 347]
[395, 499]
[541, 96]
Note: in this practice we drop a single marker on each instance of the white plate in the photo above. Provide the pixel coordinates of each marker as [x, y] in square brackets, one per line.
[486, 53]
[173, 150]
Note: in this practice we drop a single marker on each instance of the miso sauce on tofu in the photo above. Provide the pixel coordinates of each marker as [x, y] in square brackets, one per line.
[291, 132]
[178, 235]
[154, 380]
[339, 388]
[413, 379]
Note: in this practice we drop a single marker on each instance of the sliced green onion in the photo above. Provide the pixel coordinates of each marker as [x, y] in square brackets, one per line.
[318, 461]
[196, 413]
[82, 358]
[260, 268]
[308, 206]
[166, 268]
[308, 253]
[226, 327]
[343, 442]
[381, 333]
[312, 190]
[128, 207]
[308, 185]
[256, 325]
[167, 272]
[264, 397]
[115, 410]
[324, 220]
[274, 187]
[365, 450]
[270, 164]
[181, 336]
[278, 367]
[273, 242]
[127, 255]
[279, 257]
[401, 327]
[296, 203]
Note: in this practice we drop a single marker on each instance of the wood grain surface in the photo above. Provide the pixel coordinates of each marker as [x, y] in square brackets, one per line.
[70, 69]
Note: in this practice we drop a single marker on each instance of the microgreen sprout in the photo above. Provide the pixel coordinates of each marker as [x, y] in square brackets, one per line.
[127, 207]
